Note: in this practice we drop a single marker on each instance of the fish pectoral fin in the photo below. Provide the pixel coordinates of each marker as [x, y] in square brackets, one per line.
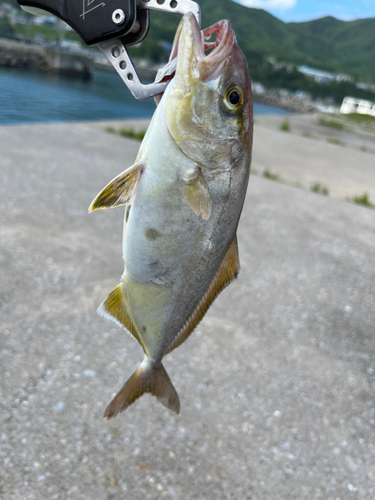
[116, 309]
[154, 381]
[120, 191]
[227, 272]
[197, 195]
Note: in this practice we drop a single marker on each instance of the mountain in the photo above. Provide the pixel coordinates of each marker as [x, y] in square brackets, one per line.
[348, 46]
[327, 43]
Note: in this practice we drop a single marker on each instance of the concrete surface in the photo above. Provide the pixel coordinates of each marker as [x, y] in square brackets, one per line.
[276, 384]
[302, 161]
[352, 136]
[303, 157]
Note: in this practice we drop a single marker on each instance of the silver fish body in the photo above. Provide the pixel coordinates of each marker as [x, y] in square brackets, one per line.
[183, 201]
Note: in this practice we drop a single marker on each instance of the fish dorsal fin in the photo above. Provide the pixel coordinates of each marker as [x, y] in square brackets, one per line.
[197, 194]
[120, 191]
[227, 272]
[116, 309]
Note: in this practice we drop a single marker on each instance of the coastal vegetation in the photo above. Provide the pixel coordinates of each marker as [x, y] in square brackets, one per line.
[361, 119]
[326, 122]
[110, 130]
[127, 132]
[285, 125]
[273, 49]
[334, 140]
[318, 187]
[364, 200]
[326, 43]
[132, 134]
[291, 79]
[6, 29]
[270, 175]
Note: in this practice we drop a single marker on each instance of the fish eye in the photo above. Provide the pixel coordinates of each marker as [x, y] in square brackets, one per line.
[233, 99]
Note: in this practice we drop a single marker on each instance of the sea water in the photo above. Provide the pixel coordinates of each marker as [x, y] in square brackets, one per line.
[30, 96]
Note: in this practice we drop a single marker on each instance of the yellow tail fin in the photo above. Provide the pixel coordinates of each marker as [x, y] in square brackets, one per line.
[154, 381]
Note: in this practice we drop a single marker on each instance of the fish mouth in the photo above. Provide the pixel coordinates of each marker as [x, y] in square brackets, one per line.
[194, 55]
[220, 49]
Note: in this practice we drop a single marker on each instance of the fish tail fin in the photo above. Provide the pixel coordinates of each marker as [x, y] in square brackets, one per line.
[155, 381]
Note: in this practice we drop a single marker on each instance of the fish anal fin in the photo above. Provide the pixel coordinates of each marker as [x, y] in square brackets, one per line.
[227, 272]
[116, 309]
[120, 190]
[197, 194]
[154, 381]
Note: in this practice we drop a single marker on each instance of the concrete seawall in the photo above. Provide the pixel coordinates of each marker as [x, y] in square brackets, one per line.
[277, 383]
[18, 54]
[81, 63]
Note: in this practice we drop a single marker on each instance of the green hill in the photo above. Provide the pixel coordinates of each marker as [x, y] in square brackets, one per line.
[327, 43]
[348, 46]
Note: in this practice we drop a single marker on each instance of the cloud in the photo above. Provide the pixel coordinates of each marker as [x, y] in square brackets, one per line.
[269, 4]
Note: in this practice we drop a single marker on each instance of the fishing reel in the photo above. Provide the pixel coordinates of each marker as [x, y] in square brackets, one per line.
[114, 25]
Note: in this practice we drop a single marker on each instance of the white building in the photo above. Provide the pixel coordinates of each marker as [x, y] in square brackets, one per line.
[360, 106]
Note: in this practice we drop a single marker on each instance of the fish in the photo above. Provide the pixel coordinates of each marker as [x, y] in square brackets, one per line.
[183, 198]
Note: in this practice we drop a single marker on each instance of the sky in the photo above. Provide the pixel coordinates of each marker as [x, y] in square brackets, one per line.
[306, 10]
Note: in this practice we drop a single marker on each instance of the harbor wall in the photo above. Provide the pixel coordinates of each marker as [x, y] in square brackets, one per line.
[19, 54]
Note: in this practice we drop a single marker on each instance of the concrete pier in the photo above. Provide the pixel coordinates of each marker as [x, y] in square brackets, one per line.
[26, 55]
[277, 383]
[61, 60]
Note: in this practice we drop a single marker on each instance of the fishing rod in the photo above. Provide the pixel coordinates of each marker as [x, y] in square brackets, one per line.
[113, 26]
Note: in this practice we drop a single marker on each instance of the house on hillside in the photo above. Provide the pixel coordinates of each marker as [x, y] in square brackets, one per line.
[317, 74]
